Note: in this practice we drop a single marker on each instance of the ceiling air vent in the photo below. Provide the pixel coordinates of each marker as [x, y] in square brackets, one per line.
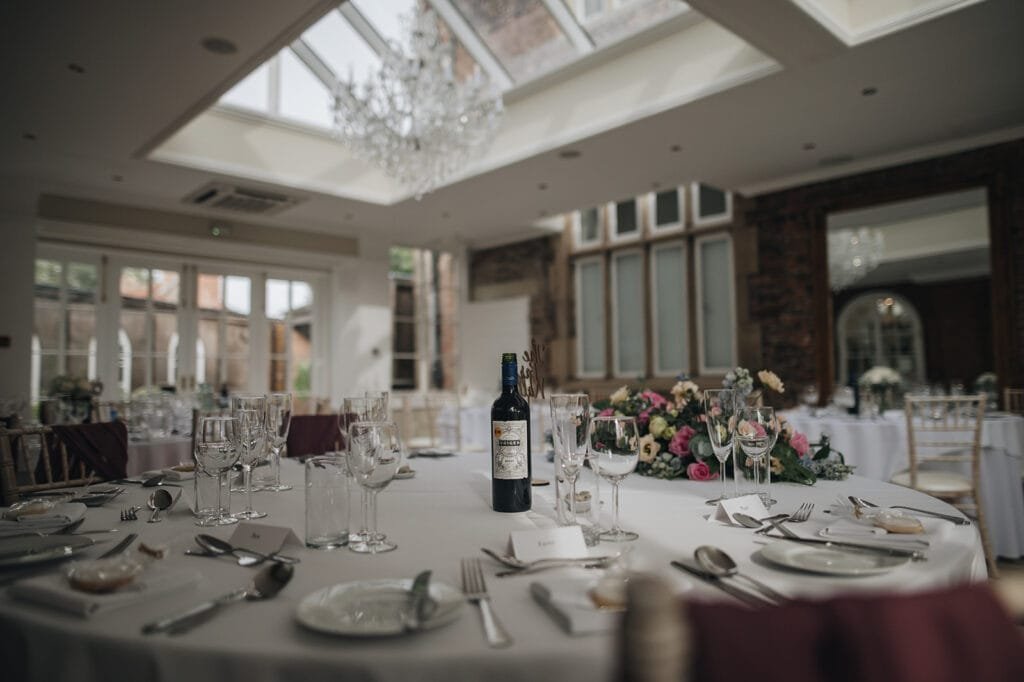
[240, 199]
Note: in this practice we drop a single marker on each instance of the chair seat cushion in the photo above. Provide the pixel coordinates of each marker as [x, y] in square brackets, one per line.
[936, 482]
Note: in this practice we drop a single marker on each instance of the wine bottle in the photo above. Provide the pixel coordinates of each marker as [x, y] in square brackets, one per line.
[511, 468]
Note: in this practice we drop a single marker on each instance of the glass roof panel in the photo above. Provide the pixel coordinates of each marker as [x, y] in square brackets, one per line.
[522, 34]
[342, 48]
[609, 21]
[303, 97]
[252, 92]
[388, 17]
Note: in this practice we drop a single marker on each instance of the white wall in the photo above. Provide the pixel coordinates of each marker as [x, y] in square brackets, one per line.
[17, 267]
[488, 329]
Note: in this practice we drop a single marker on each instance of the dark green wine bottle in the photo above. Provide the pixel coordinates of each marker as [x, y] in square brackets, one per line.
[511, 468]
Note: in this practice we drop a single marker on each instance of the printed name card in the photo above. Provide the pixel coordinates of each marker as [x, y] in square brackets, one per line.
[565, 542]
[751, 505]
[262, 538]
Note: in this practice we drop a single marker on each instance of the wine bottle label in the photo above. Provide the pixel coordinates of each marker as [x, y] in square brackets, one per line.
[510, 448]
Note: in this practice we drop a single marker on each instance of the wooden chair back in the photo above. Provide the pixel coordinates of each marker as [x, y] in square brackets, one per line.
[1013, 400]
[32, 460]
[944, 429]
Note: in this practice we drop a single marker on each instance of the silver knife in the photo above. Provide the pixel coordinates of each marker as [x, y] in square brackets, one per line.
[120, 547]
[742, 595]
[912, 554]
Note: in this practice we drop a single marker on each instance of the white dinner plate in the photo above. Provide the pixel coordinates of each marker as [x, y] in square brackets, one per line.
[24, 550]
[829, 561]
[401, 475]
[373, 608]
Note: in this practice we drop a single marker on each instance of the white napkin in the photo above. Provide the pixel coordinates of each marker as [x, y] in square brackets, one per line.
[568, 601]
[59, 517]
[53, 591]
[848, 529]
[168, 474]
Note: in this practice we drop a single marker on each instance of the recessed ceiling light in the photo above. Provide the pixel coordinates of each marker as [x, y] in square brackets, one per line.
[570, 153]
[446, 215]
[808, 146]
[218, 45]
[542, 186]
[117, 178]
[76, 68]
[29, 136]
[675, 148]
[869, 91]
[542, 213]
[655, 185]
[349, 216]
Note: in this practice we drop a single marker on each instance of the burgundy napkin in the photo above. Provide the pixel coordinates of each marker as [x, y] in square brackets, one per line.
[103, 448]
[947, 636]
[314, 434]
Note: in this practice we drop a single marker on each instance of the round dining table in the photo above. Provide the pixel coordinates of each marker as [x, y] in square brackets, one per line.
[437, 517]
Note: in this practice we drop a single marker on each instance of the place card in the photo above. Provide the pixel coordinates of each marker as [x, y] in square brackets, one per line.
[564, 542]
[751, 505]
[259, 537]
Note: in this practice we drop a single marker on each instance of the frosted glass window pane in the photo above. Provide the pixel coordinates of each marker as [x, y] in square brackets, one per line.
[625, 217]
[591, 303]
[716, 303]
[252, 92]
[237, 294]
[590, 223]
[666, 208]
[341, 48]
[670, 308]
[303, 97]
[277, 299]
[629, 314]
[302, 295]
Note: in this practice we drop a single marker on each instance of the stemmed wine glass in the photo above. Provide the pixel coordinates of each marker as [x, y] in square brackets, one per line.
[720, 410]
[252, 427]
[756, 432]
[374, 457]
[217, 442]
[616, 446]
[279, 418]
[357, 409]
[570, 415]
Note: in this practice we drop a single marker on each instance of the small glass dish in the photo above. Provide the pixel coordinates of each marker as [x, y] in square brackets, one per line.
[36, 506]
[103, 575]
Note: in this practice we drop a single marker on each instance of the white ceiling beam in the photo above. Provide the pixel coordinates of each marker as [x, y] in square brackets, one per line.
[778, 28]
[471, 40]
[576, 34]
[308, 56]
[364, 28]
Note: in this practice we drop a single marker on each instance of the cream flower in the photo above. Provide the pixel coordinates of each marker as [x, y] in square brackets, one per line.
[620, 396]
[771, 380]
[649, 448]
[657, 426]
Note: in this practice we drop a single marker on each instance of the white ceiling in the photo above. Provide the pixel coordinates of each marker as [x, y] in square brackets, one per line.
[948, 83]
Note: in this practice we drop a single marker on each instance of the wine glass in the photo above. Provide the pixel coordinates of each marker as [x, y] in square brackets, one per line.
[382, 397]
[570, 415]
[248, 402]
[720, 410]
[252, 428]
[757, 430]
[374, 457]
[279, 418]
[356, 409]
[616, 447]
[217, 442]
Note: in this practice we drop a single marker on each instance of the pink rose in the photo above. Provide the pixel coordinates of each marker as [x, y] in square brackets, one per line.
[655, 399]
[798, 442]
[606, 412]
[680, 444]
[699, 471]
[644, 417]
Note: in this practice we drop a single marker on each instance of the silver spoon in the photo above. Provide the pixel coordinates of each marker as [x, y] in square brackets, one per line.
[218, 546]
[719, 564]
[214, 547]
[265, 584]
[958, 520]
[159, 501]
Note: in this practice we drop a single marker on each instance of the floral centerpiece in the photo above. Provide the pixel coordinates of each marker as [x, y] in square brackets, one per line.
[75, 395]
[674, 440]
[882, 384]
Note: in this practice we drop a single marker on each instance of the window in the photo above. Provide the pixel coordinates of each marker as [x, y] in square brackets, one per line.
[711, 206]
[880, 328]
[403, 371]
[669, 316]
[590, 317]
[666, 209]
[587, 227]
[715, 296]
[628, 313]
[223, 348]
[289, 311]
[64, 331]
[149, 319]
[625, 220]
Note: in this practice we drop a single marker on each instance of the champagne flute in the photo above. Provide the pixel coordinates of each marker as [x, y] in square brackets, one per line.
[570, 415]
[616, 447]
[382, 397]
[720, 411]
[248, 402]
[217, 443]
[355, 409]
[757, 430]
[252, 429]
[279, 418]
[374, 456]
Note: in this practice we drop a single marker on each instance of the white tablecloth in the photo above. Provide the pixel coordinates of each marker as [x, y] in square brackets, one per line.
[440, 515]
[158, 453]
[878, 448]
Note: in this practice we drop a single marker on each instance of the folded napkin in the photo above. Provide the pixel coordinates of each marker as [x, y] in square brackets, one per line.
[568, 601]
[849, 529]
[53, 591]
[59, 517]
[169, 474]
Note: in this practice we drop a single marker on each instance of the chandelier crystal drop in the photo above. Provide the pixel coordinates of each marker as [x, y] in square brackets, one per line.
[415, 119]
[852, 254]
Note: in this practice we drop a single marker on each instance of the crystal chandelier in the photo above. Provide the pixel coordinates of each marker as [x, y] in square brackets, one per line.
[415, 119]
[853, 254]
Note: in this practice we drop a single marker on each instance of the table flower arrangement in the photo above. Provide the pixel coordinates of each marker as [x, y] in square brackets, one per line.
[75, 395]
[674, 440]
[882, 384]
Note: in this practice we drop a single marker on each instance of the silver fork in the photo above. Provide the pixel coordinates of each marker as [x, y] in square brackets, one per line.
[130, 513]
[802, 513]
[475, 589]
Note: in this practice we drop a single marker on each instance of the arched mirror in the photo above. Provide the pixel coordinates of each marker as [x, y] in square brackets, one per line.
[880, 328]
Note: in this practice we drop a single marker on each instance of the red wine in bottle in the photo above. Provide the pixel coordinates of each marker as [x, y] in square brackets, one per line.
[510, 443]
